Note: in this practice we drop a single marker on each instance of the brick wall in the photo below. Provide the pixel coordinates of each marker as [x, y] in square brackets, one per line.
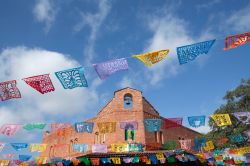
[114, 111]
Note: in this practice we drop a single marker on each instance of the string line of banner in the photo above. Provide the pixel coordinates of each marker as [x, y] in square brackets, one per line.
[154, 158]
[74, 77]
[194, 121]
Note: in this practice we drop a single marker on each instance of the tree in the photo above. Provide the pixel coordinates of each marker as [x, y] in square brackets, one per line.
[237, 100]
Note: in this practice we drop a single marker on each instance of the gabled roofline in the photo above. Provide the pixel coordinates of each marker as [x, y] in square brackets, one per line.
[104, 106]
[150, 104]
[114, 95]
[127, 88]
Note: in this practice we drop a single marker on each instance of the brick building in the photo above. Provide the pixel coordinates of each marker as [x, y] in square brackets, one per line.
[127, 105]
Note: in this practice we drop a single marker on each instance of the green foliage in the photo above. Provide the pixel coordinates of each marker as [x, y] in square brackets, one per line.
[237, 100]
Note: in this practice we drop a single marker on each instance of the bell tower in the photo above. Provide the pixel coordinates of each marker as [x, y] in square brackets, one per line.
[128, 99]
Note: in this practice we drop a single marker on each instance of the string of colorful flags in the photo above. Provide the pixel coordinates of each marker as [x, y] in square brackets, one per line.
[72, 78]
[200, 144]
[150, 125]
[158, 158]
[222, 156]
[218, 157]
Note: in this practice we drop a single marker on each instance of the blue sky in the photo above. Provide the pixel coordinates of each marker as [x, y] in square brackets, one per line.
[45, 36]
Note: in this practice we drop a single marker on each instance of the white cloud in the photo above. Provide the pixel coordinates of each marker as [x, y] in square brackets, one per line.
[94, 21]
[207, 4]
[45, 12]
[168, 32]
[238, 21]
[62, 105]
[125, 82]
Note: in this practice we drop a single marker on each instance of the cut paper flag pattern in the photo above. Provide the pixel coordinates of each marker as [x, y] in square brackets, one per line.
[33, 126]
[84, 160]
[122, 147]
[135, 147]
[41, 83]
[196, 121]
[199, 143]
[151, 58]
[16, 162]
[129, 125]
[81, 127]
[107, 68]
[172, 122]
[247, 133]
[127, 160]
[4, 162]
[190, 52]
[83, 148]
[116, 160]
[19, 146]
[10, 129]
[237, 138]
[144, 159]
[136, 160]
[185, 144]
[209, 146]
[9, 90]
[243, 117]
[38, 147]
[105, 160]
[236, 40]
[99, 148]
[152, 125]
[1, 146]
[153, 159]
[72, 78]
[106, 127]
[56, 126]
[24, 157]
[160, 156]
[41, 160]
[66, 162]
[221, 119]
[95, 161]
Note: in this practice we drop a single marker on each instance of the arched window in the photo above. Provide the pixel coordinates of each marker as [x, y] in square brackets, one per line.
[128, 101]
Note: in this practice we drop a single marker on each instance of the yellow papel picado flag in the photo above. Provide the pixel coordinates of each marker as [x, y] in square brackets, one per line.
[160, 156]
[151, 58]
[106, 127]
[38, 147]
[122, 147]
[116, 160]
[221, 119]
[209, 146]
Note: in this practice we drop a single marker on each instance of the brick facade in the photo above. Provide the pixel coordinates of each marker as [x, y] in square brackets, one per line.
[114, 111]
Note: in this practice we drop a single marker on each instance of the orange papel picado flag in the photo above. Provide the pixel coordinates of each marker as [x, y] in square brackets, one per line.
[151, 58]
[221, 119]
[41, 160]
